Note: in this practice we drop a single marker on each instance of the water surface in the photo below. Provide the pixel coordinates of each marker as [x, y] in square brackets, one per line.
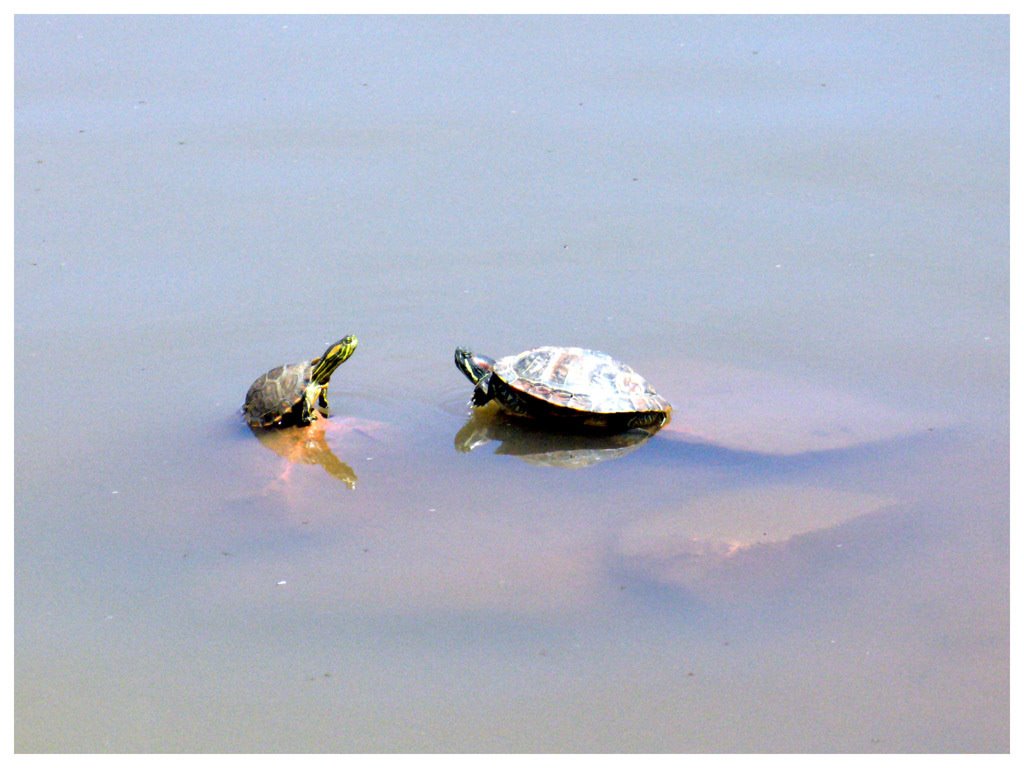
[795, 227]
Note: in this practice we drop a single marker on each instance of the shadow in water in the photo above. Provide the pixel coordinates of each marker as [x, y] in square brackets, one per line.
[672, 567]
[781, 520]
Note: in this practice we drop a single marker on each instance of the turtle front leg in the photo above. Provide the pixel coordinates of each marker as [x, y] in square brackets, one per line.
[320, 403]
[310, 405]
[482, 393]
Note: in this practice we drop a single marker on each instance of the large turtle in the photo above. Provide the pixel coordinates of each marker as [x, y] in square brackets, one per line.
[569, 386]
[295, 394]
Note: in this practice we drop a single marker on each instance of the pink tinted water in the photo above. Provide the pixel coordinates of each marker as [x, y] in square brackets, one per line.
[796, 228]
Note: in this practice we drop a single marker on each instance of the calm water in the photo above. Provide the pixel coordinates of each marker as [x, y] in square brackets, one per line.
[796, 228]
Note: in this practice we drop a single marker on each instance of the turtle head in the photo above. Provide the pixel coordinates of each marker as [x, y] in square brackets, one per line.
[475, 367]
[333, 356]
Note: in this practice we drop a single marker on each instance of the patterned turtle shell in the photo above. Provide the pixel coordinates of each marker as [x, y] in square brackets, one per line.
[590, 387]
[295, 394]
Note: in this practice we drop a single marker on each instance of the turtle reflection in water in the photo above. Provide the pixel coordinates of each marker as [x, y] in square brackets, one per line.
[569, 387]
[306, 446]
[568, 450]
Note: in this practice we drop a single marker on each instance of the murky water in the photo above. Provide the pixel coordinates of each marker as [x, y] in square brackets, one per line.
[796, 228]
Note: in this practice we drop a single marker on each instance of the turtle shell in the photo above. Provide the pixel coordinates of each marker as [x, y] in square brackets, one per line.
[581, 380]
[274, 396]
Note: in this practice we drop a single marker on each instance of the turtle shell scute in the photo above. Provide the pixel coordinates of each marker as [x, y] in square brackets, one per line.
[275, 393]
[579, 379]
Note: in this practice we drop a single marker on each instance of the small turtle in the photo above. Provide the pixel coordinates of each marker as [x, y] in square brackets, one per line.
[295, 394]
[566, 385]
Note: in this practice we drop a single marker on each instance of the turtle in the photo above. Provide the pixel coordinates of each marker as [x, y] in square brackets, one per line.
[568, 386]
[295, 394]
